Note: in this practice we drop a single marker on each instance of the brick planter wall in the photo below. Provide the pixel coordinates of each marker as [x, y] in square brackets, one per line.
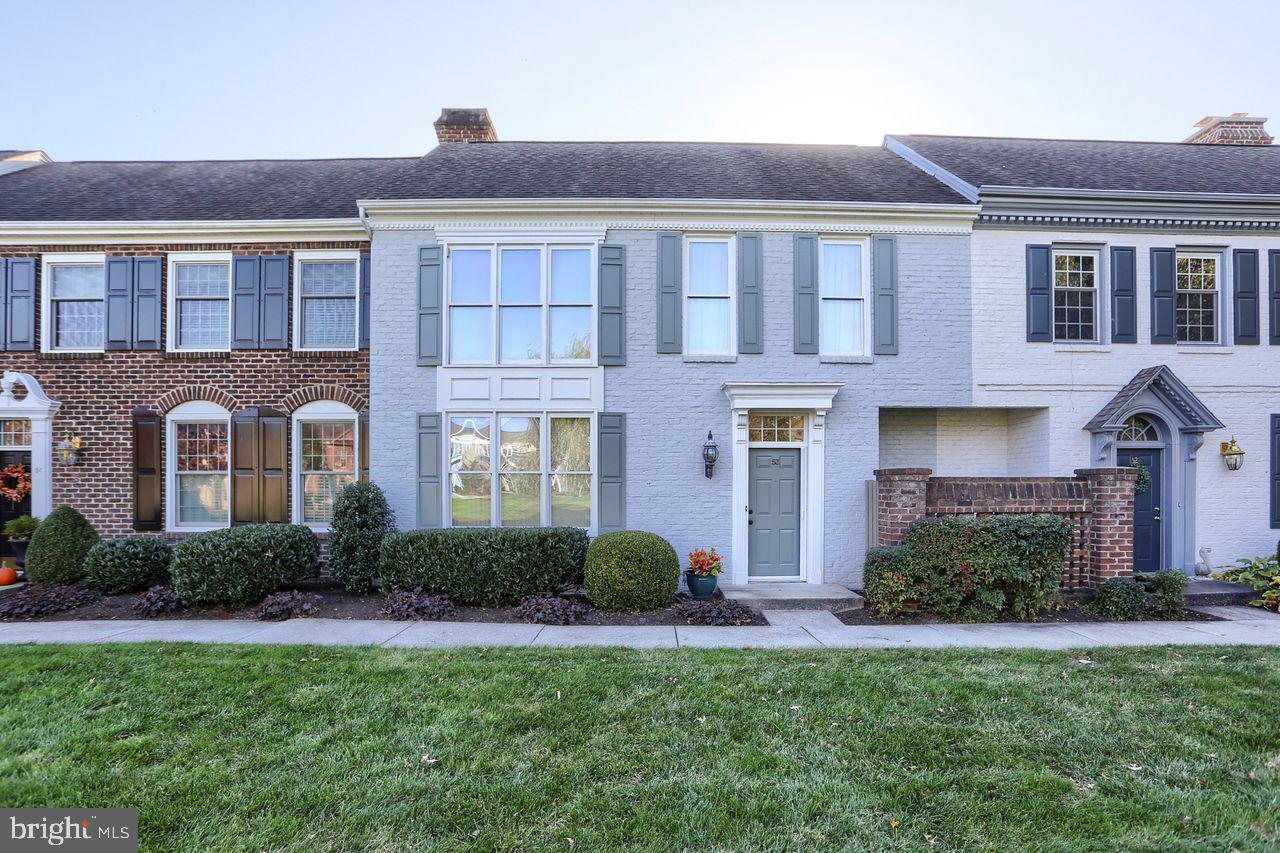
[1098, 501]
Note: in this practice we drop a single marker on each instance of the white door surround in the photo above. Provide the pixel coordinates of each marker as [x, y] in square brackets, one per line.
[39, 409]
[814, 400]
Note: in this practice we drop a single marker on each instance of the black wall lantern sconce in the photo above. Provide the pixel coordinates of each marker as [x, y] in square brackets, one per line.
[710, 453]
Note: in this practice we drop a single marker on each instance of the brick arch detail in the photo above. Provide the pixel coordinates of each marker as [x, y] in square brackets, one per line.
[188, 393]
[312, 393]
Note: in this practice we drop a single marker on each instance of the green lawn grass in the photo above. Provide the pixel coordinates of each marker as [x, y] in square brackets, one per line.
[339, 749]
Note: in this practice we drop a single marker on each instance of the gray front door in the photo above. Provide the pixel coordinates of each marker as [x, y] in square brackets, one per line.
[773, 519]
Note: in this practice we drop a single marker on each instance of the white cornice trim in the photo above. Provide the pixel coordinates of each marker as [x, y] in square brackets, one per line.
[814, 396]
[199, 231]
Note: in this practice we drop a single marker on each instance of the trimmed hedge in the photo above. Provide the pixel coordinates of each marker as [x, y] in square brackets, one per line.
[483, 565]
[239, 566]
[128, 565]
[59, 546]
[968, 569]
[631, 570]
[361, 519]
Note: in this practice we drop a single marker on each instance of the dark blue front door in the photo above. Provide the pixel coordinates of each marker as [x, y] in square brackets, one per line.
[1148, 533]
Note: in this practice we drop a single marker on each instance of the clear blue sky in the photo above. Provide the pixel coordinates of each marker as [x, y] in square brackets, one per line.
[117, 79]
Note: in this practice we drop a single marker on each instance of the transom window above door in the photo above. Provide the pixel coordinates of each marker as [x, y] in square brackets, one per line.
[1138, 428]
[775, 429]
[1075, 295]
[527, 304]
[15, 433]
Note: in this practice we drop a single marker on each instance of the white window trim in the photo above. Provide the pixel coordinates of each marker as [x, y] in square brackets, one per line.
[544, 461]
[30, 432]
[200, 412]
[865, 299]
[56, 259]
[1098, 300]
[323, 256]
[328, 411]
[1219, 323]
[495, 305]
[171, 297]
[731, 241]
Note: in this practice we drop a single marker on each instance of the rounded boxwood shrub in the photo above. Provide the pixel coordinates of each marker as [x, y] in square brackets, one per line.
[239, 566]
[128, 565]
[1119, 598]
[631, 570]
[361, 519]
[59, 546]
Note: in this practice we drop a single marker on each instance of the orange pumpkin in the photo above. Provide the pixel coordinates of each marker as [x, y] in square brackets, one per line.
[7, 576]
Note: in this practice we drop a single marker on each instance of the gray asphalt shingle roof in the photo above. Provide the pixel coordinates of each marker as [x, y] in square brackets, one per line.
[1102, 165]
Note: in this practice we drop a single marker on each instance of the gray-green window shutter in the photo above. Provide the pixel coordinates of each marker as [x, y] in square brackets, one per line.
[147, 303]
[805, 301]
[884, 309]
[119, 308]
[1163, 299]
[19, 315]
[4, 302]
[751, 293]
[273, 302]
[611, 437]
[1275, 467]
[366, 297]
[1273, 275]
[1039, 294]
[1245, 296]
[430, 480]
[613, 298]
[1124, 295]
[430, 305]
[244, 301]
[670, 294]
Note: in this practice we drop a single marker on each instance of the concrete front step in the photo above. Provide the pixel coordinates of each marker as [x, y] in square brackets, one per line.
[793, 596]
[1206, 592]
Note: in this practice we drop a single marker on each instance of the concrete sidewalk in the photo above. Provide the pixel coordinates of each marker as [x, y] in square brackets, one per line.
[787, 629]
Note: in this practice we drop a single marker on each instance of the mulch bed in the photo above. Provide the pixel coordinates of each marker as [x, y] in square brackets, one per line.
[868, 616]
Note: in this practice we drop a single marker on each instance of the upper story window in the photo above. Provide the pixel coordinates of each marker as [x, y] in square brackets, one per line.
[1075, 296]
[75, 303]
[521, 305]
[326, 300]
[1197, 298]
[709, 298]
[200, 302]
[843, 318]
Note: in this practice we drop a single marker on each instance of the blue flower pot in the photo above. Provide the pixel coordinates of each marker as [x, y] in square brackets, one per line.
[700, 586]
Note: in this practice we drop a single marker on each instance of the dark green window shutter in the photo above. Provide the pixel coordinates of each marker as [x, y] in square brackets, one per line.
[148, 509]
[1124, 295]
[805, 298]
[611, 436]
[884, 308]
[1275, 472]
[273, 300]
[751, 293]
[430, 305]
[1164, 328]
[244, 301]
[1039, 294]
[1245, 297]
[119, 308]
[19, 314]
[1273, 274]
[148, 303]
[366, 296]
[670, 293]
[430, 479]
[613, 300]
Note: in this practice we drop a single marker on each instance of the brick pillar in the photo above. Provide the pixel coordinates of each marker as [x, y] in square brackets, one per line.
[900, 502]
[1111, 529]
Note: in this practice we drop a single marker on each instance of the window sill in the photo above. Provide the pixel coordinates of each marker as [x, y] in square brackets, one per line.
[1206, 349]
[74, 355]
[710, 359]
[1083, 346]
[201, 355]
[846, 359]
[325, 353]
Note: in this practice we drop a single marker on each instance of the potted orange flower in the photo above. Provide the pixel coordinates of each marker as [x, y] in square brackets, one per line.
[704, 565]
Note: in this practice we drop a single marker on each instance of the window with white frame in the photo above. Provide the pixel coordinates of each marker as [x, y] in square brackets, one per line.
[527, 304]
[1075, 295]
[75, 303]
[324, 459]
[1197, 298]
[200, 302]
[843, 317]
[709, 309]
[520, 470]
[327, 295]
[199, 475]
[15, 433]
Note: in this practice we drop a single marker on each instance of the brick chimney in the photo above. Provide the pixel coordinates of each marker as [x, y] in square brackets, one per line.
[1235, 129]
[465, 125]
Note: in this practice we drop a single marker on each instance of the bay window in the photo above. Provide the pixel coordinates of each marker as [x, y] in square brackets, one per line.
[709, 275]
[843, 318]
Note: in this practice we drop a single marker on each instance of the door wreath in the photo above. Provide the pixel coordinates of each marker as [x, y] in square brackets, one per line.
[15, 482]
[1143, 483]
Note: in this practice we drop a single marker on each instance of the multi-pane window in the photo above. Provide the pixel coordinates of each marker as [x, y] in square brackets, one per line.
[520, 305]
[776, 429]
[328, 304]
[328, 464]
[1197, 298]
[842, 286]
[201, 456]
[1138, 428]
[15, 432]
[534, 470]
[202, 300]
[708, 296]
[77, 302]
[1075, 296]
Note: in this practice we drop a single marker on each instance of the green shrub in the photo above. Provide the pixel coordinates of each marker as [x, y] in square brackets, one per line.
[1166, 592]
[128, 565]
[1261, 573]
[361, 519]
[21, 527]
[885, 577]
[58, 547]
[1121, 599]
[631, 570]
[238, 566]
[483, 565]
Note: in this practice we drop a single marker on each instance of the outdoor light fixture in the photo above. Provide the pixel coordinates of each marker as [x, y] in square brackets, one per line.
[710, 453]
[69, 450]
[1232, 455]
